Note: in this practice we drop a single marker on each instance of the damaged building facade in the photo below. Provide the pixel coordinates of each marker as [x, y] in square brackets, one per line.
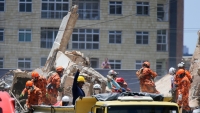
[126, 32]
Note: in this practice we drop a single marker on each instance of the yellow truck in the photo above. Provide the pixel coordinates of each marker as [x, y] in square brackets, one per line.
[123, 104]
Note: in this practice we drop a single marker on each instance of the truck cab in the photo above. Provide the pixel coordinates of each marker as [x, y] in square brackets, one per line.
[123, 104]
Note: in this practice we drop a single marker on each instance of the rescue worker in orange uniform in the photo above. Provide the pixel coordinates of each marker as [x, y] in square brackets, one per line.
[181, 65]
[39, 82]
[183, 90]
[53, 85]
[34, 95]
[177, 79]
[146, 77]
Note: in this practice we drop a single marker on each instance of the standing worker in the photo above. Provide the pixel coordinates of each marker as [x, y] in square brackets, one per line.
[78, 83]
[106, 64]
[172, 72]
[53, 85]
[183, 90]
[146, 77]
[34, 95]
[181, 65]
[39, 82]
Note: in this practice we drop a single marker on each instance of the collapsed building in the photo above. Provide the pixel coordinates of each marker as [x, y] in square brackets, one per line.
[58, 56]
[71, 60]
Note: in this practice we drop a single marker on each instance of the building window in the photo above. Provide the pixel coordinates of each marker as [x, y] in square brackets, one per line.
[159, 68]
[24, 63]
[142, 37]
[24, 35]
[161, 40]
[115, 7]
[54, 8]
[115, 64]
[115, 37]
[1, 62]
[143, 8]
[85, 39]
[160, 12]
[138, 64]
[43, 61]
[94, 62]
[88, 9]
[2, 5]
[1, 34]
[48, 35]
[25, 5]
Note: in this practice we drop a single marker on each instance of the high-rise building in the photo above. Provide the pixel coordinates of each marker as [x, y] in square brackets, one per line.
[127, 32]
[185, 50]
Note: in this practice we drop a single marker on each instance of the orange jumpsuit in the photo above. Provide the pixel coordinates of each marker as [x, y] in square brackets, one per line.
[41, 84]
[54, 80]
[34, 97]
[145, 76]
[183, 89]
[177, 80]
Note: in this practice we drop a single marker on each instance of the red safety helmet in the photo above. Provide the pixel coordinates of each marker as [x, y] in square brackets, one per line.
[29, 83]
[120, 80]
[35, 74]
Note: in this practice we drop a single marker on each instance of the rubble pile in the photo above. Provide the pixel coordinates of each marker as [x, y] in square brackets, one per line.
[194, 96]
[164, 85]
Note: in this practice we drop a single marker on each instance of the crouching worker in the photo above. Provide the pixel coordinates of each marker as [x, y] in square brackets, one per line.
[34, 95]
[78, 83]
[96, 89]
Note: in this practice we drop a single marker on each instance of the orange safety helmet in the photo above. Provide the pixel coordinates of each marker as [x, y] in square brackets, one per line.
[180, 71]
[29, 83]
[35, 74]
[146, 63]
[120, 80]
[59, 68]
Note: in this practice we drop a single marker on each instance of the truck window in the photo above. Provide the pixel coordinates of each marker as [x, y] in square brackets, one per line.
[142, 109]
[99, 110]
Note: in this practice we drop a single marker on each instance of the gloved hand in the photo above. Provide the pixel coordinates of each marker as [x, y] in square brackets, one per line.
[21, 95]
[170, 91]
[179, 97]
[81, 97]
[80, 67]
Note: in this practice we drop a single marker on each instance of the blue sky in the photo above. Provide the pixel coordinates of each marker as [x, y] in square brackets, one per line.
[191, 23]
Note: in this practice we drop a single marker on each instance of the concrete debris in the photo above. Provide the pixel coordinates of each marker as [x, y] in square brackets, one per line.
[194, 95]
[164, 85]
